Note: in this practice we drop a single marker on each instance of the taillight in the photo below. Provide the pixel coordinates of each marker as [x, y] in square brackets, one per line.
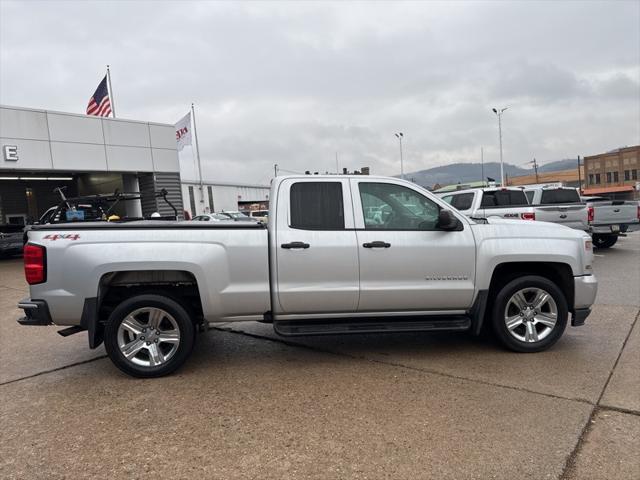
[528, 216]
[35, 270]
[590, 214]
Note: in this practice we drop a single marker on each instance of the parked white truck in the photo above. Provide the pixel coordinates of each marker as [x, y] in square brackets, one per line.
[506, 202]
[326, 264]
[561, 205]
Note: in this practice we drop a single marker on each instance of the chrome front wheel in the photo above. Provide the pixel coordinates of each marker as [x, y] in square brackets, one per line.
[531, 314]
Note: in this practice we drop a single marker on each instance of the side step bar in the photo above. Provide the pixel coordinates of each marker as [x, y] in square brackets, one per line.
[291, 328]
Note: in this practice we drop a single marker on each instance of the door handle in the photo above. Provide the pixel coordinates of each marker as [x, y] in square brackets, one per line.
[295, 245]
[376, 244]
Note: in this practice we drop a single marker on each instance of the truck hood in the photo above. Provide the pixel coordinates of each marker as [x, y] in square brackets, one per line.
[506, 228]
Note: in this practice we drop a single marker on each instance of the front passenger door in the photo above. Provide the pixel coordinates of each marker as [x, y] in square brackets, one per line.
[406, 262]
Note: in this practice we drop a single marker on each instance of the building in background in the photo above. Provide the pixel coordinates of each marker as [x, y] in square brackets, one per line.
[223, 196]
[569, 178]
[43, 150]
[614, 174]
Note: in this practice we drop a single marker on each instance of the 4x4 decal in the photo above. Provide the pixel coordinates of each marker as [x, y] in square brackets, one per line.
[62, 236]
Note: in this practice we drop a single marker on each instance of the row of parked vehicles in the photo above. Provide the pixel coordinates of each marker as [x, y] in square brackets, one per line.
[233, 215]
[604, 219]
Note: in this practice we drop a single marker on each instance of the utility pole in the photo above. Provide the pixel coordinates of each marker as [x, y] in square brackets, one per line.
[579, 177]
[275, 170]
[499, 113]
[399, 136]
[482, 165]
[535, 167]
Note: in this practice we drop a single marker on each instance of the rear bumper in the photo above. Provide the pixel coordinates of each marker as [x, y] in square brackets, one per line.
[612, 230]
[585, 291]
[36, 312]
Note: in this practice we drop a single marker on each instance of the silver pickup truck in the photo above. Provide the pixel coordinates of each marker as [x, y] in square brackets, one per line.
[561, 205]
[327, 263]
[609, 219]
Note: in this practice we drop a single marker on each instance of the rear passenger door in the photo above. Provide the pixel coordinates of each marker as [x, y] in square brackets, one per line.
[315, 247]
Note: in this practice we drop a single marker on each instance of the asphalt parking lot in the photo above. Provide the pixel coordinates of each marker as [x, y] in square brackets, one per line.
[251, 405]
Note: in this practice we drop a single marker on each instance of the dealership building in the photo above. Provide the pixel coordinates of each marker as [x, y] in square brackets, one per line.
[212, 196]
[86, 155]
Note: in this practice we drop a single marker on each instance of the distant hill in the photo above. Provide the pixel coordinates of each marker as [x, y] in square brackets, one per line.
[472, 172]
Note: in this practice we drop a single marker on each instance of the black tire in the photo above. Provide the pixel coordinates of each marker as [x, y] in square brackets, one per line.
[499, 314]
[604, 241]
[177, 356]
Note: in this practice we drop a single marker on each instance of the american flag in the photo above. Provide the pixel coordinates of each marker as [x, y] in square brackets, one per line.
[100, 105]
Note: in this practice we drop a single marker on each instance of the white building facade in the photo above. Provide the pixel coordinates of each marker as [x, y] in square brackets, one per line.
[86, 155]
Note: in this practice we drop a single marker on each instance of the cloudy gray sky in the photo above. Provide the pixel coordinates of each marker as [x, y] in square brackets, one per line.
[293, 83]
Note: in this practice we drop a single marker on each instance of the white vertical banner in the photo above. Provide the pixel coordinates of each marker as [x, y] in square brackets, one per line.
[183, 131]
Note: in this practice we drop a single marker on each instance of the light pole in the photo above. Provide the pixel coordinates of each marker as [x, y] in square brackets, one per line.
[498, 113]
[399, 136]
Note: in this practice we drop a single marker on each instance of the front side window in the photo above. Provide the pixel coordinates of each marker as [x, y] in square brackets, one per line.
[462, 201]
[317, 206]
[386, 206]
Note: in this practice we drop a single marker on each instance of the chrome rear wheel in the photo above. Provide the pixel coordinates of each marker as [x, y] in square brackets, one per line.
[148, 337]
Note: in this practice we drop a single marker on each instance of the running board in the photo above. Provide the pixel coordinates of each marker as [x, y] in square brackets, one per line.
[292, 328]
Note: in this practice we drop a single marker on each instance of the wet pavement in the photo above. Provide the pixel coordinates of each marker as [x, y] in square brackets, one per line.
[250, 404]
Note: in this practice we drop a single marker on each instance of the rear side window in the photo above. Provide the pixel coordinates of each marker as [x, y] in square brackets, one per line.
[462, 201]
[504, 198]
[560, 195]
[317, 206]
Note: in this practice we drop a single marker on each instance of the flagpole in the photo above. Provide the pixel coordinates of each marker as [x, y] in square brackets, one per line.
[113, 103]
[195, 132]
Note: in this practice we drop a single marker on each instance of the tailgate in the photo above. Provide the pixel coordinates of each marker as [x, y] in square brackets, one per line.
[512, 213]
[614, 214]
[573, 216]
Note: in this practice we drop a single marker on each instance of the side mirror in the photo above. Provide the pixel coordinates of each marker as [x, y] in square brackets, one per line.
[447, 221]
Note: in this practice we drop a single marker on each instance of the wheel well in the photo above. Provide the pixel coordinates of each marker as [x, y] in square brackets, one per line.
[178, 285]
[559, 273]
